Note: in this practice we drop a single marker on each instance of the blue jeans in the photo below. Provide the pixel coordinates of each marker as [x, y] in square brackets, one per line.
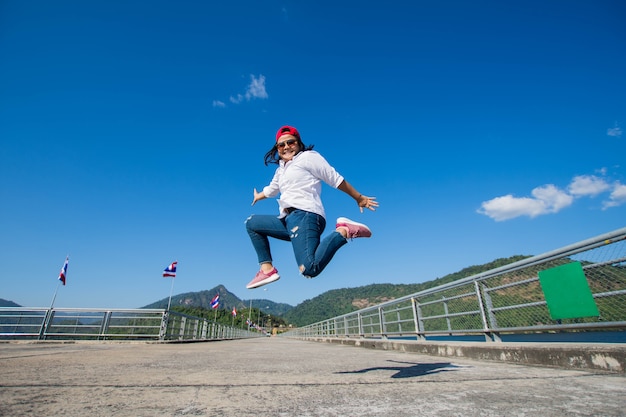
[304, 230]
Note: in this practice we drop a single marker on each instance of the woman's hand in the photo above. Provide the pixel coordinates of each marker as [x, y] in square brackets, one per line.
[257, 196]
[367, 202]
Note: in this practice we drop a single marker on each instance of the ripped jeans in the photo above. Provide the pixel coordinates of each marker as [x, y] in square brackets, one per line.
[304, 230]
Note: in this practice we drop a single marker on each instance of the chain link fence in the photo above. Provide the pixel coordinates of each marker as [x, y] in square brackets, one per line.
[510, 299]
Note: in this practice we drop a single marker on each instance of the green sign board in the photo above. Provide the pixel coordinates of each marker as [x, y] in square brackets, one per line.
[567, 292]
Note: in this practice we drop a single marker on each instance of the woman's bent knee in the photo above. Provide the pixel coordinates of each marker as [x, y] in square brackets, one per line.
[309, 272]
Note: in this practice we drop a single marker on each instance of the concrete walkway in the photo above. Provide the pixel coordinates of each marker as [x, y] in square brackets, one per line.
[284, 377]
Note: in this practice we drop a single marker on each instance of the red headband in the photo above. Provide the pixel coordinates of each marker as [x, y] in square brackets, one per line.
[287, 130]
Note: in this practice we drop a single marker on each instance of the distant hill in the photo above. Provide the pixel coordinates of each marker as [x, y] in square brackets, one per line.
[7, 303]
[228, 300]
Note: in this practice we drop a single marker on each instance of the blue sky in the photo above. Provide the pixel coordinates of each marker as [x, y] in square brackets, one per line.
[133, 134]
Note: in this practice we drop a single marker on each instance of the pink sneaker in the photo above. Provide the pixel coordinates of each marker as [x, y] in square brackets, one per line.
[261, 278]
[354, 229]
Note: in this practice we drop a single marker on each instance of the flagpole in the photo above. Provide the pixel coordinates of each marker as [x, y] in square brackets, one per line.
[171, 290]
[249, 314]
[55, 295]
[62, 275]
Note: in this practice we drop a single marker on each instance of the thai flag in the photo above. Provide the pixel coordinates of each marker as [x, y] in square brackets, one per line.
[234, 312]
[215, 302]
[63, 273]
[170, 271]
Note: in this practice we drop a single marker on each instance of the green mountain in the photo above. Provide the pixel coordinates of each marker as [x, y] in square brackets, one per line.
[7, 303]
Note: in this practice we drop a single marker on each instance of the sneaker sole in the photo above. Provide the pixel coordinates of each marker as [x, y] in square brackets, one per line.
[268, 280]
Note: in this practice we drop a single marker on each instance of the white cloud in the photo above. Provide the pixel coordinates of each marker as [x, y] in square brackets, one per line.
[254, 90]
[550, 199]
[508, 207]
[588, 185]
[237, 99]
[617, 197]
[544, 200]
[614, 131]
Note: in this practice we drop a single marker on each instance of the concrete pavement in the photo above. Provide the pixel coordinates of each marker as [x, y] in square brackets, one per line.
[284, 377]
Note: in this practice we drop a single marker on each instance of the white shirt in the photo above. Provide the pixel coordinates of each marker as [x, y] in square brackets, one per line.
[299, 182]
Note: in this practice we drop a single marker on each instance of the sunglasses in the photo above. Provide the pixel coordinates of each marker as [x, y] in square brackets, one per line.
[288, 142]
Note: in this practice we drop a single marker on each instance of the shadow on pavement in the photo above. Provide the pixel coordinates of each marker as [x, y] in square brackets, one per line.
[416, 369]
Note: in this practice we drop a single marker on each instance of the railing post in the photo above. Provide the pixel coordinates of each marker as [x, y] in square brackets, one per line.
[46, 323]
[204, 329]
[196, 328]
[360, 324]
[398, 320]
[164, 323]
[105, 323]
[183, 324]
[487, 311]
[417, 319]
[445, 310]
[381, 318]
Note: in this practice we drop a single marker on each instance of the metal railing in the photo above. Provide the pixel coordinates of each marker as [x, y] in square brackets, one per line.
[20, 323]
[508, 299]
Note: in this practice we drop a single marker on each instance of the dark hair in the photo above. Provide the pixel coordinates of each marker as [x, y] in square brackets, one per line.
[271, 157]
